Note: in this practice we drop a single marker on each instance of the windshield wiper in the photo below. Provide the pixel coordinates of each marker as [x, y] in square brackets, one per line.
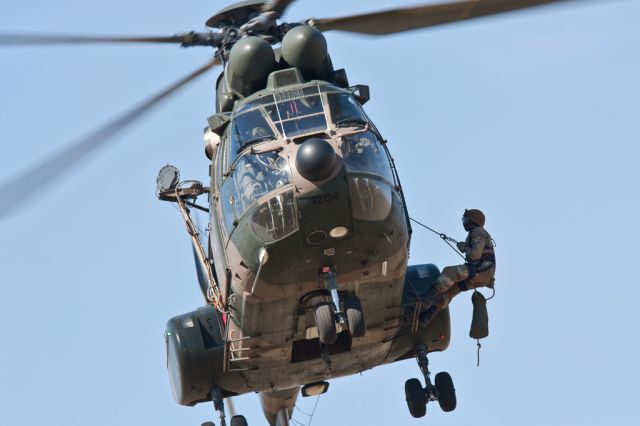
[255, 140]
[351, 121]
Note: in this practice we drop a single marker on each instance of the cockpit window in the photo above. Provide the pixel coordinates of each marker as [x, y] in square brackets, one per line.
[297, 113]
[246, 129]
[362, 152]
[292, 113]
[252, 177]
[258, 174]
[345, 110]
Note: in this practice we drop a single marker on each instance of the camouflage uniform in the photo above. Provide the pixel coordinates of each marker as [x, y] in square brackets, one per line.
[478, 250]
[477, 272]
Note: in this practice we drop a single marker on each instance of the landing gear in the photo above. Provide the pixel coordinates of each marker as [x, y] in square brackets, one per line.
[218, 403]
[446, 392]
[418, 397]
[327, 314]
[355, 316]
[325, 322]
[238, 421]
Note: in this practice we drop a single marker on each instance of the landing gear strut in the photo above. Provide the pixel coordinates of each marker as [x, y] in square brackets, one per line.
[418, 397]
[218, 404]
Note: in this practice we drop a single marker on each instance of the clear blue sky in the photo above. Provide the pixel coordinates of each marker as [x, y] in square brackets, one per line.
[532, 117]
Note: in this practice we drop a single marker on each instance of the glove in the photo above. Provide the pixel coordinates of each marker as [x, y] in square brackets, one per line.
[462, 246]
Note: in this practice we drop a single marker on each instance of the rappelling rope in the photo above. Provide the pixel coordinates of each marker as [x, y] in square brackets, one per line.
[448, 240]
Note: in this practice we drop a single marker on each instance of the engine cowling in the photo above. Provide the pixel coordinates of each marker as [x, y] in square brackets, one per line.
[195, 354]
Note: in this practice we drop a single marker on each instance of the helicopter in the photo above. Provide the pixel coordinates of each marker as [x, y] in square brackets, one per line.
[300, 178]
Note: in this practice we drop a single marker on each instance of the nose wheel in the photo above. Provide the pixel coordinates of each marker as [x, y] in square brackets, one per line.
[418, 396]
[355, 316]
[324, 318]
[327, 314]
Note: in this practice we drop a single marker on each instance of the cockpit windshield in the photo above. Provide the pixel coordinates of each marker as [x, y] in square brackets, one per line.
[345, 110]
[252, 177]
[292, 113]
[248, 128]
[363, 153]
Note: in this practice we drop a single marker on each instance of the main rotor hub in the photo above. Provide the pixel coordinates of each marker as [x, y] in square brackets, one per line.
[236, 15]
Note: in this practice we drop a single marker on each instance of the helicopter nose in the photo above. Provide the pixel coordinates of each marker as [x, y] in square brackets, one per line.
[315, 159]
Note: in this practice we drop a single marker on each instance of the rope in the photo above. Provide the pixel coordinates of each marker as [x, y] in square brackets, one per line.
[314, 409]
[306, 414]
[444, 237]
[492, 294]
[303, 412]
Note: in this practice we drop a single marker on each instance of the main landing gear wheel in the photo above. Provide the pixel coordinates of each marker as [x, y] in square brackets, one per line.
[355, 316]
[238, 421]
[416, 399]
[442, 391]
[446, 391]
[326, 324]
[208, 424]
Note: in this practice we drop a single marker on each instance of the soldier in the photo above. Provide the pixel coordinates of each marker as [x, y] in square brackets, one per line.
[478, 271]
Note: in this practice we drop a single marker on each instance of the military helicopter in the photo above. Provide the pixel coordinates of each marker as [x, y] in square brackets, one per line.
[305, 270]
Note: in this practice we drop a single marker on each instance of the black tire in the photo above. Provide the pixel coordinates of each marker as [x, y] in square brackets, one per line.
[239, 421]
[323, 315]
[208, 424]
[446, 392]
[416, 399]
[355, 316]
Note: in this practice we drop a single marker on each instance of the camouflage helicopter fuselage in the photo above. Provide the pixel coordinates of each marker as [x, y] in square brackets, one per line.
[301, 183]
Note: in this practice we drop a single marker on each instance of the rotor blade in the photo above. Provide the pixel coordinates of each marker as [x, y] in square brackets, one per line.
[48, 39]
[412, 18]
[20, 188]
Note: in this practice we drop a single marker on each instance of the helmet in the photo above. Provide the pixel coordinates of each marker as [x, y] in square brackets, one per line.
[474, 216]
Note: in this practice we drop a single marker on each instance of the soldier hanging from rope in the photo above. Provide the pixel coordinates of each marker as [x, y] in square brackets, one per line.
[478, 271]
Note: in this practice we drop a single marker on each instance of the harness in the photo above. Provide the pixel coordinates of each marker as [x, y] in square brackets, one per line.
[487, 259]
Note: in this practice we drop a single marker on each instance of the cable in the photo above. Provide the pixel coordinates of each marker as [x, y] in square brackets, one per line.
[314, 409]
[444, 237]
[303, 412]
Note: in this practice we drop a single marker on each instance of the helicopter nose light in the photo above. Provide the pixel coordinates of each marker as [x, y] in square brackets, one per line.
[315, 159]
[338, 232]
